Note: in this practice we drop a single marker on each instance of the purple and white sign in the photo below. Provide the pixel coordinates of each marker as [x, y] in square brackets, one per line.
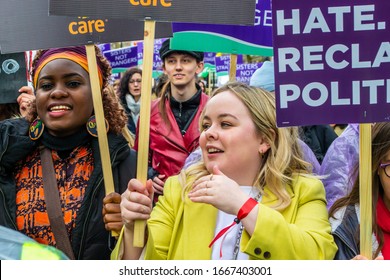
[104, 47]
[222, 64]
[244, 71]
[209, 59]
[235, 39]
[157, 62]
[122, 58]
[332, 61]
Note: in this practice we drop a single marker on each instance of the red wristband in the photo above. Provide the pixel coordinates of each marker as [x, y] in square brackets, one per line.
[245, 209]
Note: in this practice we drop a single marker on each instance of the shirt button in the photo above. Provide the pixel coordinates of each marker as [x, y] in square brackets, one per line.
[267, 255]
[257, 251]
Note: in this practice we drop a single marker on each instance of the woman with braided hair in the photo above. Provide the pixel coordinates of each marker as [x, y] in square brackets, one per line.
[61, 121]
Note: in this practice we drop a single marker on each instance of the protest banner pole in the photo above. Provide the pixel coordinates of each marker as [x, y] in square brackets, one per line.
[144, 121]
[209, 83]
[100, 121]
[233, 67]
[365, 189]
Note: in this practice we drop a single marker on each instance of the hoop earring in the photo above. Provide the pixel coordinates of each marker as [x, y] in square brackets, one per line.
[92, 127]
[36, 129]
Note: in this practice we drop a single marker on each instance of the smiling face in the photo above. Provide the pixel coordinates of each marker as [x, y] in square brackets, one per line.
[229, 139]
[182, 70]
[63, 97]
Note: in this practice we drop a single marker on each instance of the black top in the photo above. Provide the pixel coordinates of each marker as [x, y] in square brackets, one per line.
[185, 111]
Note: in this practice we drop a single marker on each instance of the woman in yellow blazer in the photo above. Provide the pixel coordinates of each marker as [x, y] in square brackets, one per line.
[252, 196]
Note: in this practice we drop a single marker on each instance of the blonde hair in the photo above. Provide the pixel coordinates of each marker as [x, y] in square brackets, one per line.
[280, 163]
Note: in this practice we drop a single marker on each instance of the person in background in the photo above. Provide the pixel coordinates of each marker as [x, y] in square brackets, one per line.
[9, 110]
[17, 246]
[345, 212]
[318, 138]
[174, 118]
[202, 85]
[20, 107]
[264, 77]
[125, 130]
[337, 168]
[252, 196]
[116, 86]
[130, 96]
[60, 122]
[159, 85]
[339, 128]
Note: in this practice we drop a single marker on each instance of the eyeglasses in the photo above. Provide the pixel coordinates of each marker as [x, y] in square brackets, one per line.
[386, 168]
[135, 81]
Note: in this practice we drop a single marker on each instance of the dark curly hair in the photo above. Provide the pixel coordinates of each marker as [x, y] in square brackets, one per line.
[124, 83]
[113, 110]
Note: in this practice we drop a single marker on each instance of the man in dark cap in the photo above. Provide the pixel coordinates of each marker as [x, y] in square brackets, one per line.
[174, 126]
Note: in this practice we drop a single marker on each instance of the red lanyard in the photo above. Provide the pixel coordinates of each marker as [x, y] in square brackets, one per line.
[242, 213]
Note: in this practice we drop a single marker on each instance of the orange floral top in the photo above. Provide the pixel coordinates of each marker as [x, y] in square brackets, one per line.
[72, 175]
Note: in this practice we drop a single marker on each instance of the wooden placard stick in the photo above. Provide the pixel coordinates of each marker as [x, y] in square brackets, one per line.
[365, 189]
[100, 122]
[233, 67]
[209, 83]
[144, 121]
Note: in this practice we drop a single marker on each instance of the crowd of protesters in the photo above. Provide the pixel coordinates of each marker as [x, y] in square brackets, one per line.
[224, 182]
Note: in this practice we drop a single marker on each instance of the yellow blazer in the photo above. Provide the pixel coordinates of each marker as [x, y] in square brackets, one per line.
[183, 231]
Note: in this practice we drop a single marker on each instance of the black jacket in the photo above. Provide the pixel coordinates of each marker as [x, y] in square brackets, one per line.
[318, 138]
[346, 235]
[90, 240]
[346, 232]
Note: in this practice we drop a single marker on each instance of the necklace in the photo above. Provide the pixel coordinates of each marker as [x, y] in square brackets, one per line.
[239, 234]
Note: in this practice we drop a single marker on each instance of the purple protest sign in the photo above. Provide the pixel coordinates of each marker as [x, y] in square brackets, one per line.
[234, 39]
[105, 47]
[244, 71]
[122, 59]
[331, 61]
[222, 64]
[157, 63]
[209, 59]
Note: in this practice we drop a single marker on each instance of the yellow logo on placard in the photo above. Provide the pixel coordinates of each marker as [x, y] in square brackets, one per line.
[86, 26]
[154, 3]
